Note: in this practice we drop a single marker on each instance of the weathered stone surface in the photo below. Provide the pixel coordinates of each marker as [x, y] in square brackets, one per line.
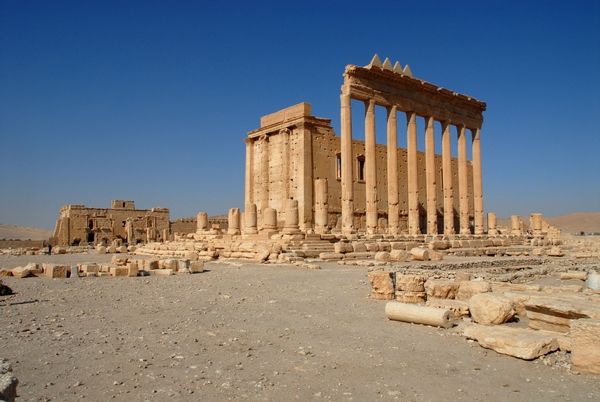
[515, 287]
[21, 272]
[411, 297]
[132, 268]
[161, 272]
[555, 252]
[5, 272]
[382, 256]
[460, 308]
[196, 266]
[435, 255]
[522, 343]
[89, 268]
[441, 289]
[55, 270]
[120, 260]
[343, 247]
[410, 283]
[585, 345]
[399, 255]
[491, 309]
[469, 288]
[577, 275]
[101, 249]
[382, 284]
[119, 271]
[562, 289]
[552, 314]
[8, 383]
[359, 247]
[420, 254]
[331, 256]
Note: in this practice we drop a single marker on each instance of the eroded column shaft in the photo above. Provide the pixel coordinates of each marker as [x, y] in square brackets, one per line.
[477, 182]
[347, 180]
[463, 182]
[447, 179]
[430, 175]
[392, 172]
[413, 178]
[370, 167]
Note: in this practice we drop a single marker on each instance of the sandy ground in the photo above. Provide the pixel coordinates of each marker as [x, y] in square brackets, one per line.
[247, 331]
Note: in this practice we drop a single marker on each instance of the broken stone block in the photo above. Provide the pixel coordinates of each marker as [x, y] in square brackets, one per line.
[490, 309]
[359, 247]
[420, 254]
[460, 308]
[120, 260]
[382, 284]
[119, 271]
[577, 275]
[585, 345]
[410, 283]
[161, 272]
[55, 270]
[183, 267]
[170, 263]
[151, 264]
[196, 266]
[132, 268]
[469, 288]
[441, 289]
[411, 297]
[331, 256]
[5, 272]
[89, 268]
[563, 289]
[8, 383]
[21, 272]
[556, 315]
[435, 255]
[522, 343]
[555, 252]
[382, 256]
[399, 255]
[513, 287]
[101, 250]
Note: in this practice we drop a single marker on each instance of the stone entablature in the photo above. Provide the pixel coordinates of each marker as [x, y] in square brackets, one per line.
[78, 224]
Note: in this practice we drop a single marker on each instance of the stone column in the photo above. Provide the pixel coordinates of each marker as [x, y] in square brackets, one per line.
[321, 207]
[202, 222]
[264, 172]
[515, 222]
[536, 223]
[492, 221]
[347, 179]
[392, 172]
[270, 220]
[447, 179]
[251, 222]
[432, 222]
[413, 178]
[233, 221]
[477, 182]
[463, 181]
[249, 185]
[291, 218]
[370, 167]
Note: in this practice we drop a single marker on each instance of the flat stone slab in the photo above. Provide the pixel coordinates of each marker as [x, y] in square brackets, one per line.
[522, 343]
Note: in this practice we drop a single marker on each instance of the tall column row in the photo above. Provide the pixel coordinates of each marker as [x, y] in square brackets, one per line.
[414, 226]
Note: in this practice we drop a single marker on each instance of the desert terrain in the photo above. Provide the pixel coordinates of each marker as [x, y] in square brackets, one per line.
[242, 330]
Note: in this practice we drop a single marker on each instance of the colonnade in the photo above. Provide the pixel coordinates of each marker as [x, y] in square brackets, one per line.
[370, 176]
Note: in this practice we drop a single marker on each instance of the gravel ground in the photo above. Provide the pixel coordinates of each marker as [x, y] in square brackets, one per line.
[248, 331]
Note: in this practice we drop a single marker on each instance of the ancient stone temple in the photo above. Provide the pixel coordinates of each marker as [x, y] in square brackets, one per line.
[345, 185]
[78, 224]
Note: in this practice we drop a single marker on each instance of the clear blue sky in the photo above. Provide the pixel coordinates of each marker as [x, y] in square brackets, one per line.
[151, 100]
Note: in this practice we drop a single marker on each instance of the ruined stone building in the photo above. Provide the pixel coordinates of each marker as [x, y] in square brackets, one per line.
[345, 185]
[78, 224]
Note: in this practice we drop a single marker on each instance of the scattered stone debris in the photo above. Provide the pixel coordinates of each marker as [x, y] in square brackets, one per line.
[8, 383]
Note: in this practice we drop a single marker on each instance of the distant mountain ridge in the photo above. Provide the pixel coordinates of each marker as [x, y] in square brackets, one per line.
[23, 233]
